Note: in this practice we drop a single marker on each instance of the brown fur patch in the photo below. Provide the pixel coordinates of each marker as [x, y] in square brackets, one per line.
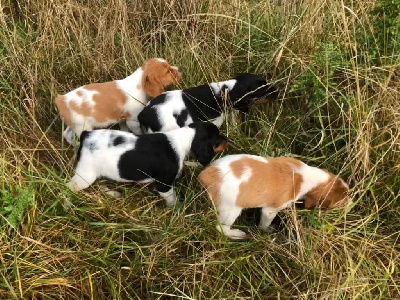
[157, 75]
[109, 102]
[273, 183]
[211, 180]
[221, 147]
[332, 193]
[65, 113]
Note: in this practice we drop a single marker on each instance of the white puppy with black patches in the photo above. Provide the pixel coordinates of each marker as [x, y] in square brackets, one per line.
[125, 157]
[236, 182]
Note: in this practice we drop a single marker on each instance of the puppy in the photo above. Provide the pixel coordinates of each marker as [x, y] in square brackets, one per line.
[179, 108]
[235, 182]
[158, 157]
[103, 104]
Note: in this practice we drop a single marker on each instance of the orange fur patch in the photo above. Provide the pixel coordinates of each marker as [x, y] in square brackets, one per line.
[109, 101]
[211, 180]
[65, 113]
[221, 147]
[273, 183]
[330, 194]
[157, 75]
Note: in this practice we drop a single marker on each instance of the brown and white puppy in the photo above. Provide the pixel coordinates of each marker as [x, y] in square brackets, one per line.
[99, 105]
[235, 182]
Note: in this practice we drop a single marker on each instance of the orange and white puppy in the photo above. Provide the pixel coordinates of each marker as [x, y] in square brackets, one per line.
[235, 182]
[100, 105]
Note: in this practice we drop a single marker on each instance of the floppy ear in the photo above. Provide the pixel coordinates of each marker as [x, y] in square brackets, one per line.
[151, 85]
[203, 152]
[310, 202]
[221, 144]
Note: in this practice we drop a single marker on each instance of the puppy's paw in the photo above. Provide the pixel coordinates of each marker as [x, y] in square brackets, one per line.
[234, 234]
[114, 194]
[111, 193]
[192, 164]
[72, 186]
[268, 230]
[66, 204]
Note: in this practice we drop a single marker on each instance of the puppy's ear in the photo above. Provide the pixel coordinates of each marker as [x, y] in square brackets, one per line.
[203, 151]
[310, 202]
[151, 85]
[221, 144]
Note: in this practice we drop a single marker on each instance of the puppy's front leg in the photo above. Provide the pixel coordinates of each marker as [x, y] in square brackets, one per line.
[123, 126]
[134, 125]
[267, 216]
[169, 196]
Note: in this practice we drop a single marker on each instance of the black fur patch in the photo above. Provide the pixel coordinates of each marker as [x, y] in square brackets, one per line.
[206, 138]
[148, 116]
[181, 117]
[153, 157]
[118, 140]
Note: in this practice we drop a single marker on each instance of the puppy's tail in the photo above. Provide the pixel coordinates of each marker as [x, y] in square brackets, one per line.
[82, 138]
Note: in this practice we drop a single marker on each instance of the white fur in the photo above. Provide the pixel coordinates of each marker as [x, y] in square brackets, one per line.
[173, 105]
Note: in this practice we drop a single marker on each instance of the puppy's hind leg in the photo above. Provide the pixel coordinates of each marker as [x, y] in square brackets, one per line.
[68, 135]
[227, 216]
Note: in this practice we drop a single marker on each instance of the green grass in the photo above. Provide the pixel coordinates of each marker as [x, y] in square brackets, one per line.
[337, 67]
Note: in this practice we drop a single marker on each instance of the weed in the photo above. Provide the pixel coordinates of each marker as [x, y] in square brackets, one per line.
[14, 204]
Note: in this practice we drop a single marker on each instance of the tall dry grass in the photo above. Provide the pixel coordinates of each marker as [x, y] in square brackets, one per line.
[338, 72]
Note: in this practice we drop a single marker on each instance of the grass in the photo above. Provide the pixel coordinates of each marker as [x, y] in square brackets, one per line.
[337, 66]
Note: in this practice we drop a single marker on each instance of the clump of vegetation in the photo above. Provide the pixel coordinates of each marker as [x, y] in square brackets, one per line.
[13, 205]
[336, 64]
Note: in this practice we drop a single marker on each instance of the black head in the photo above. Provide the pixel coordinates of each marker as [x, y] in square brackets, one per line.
[207, 140]
[248, 89]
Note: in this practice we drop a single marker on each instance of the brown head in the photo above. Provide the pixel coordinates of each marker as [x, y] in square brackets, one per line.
[158, 74]
[333, 193]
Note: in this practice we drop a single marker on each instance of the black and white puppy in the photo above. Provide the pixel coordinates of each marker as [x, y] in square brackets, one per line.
[158, 157]
[178, 108]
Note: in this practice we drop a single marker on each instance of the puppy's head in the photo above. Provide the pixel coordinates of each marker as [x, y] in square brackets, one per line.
[333, 193]
[207, 140]
[249, 89]
[158, 74]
